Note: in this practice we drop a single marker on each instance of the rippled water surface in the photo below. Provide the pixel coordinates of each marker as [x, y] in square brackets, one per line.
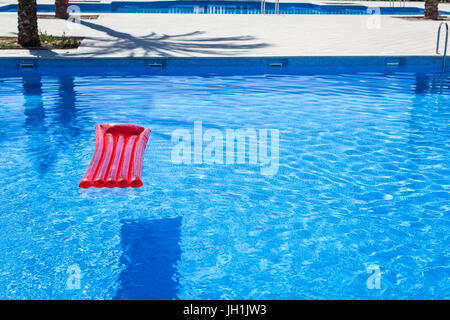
[363, 181]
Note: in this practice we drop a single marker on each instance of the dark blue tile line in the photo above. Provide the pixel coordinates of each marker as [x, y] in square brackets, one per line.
[151, 251]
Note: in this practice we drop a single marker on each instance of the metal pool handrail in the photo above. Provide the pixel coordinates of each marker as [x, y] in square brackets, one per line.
[444, 54]
[263, 6]
[392, 3]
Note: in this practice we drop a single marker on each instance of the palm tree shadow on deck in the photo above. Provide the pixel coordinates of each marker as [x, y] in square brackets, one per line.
[190, 43]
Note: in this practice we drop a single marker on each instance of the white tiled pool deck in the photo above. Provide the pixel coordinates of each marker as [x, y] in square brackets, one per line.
[188, 35]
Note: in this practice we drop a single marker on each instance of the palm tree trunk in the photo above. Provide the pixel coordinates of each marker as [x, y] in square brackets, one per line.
[27, 24]
[61, 7]
[431, 9]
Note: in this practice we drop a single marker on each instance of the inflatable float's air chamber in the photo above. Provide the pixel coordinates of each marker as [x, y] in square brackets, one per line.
[118, 156]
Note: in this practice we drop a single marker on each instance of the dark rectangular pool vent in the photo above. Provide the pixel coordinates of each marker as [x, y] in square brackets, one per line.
[392, 64]
[276, 64]
[155, 65]
[26, 66]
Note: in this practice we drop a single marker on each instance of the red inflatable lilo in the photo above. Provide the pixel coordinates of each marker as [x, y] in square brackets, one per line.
[117, 160]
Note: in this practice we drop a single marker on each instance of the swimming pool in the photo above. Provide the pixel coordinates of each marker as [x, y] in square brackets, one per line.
[224, 7]
[362, 183]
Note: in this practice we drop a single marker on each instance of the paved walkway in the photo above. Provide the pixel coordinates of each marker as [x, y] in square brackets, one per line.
[185, 35]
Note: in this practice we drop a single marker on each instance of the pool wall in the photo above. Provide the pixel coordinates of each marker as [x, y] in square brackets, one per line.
[220, 66]
[222, 7]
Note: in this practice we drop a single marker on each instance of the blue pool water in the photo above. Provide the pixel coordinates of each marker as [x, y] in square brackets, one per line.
[224, 7]
[363, 182]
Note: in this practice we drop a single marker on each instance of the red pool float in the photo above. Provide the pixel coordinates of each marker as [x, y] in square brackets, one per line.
[118, 156]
